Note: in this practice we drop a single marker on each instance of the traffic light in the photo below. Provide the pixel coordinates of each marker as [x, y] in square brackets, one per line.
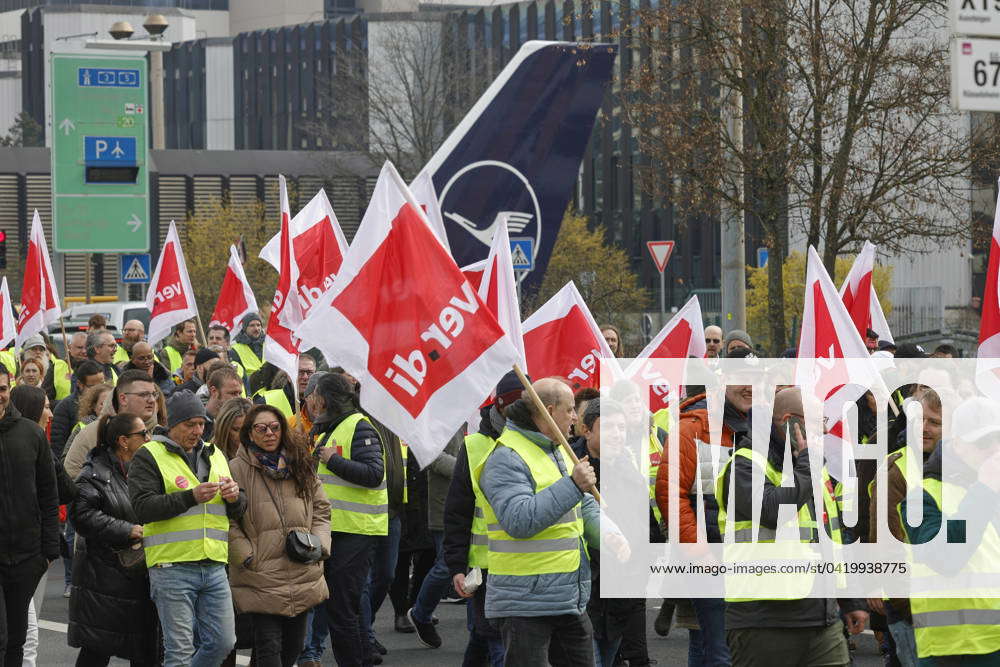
[3, 249]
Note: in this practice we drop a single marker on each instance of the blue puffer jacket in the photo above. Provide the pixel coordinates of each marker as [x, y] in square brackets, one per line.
[508, 486]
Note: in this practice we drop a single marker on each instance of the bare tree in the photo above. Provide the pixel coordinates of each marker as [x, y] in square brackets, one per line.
[400, 105]
[844, 105]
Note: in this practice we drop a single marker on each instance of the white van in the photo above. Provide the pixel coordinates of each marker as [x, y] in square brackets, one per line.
[117, 313]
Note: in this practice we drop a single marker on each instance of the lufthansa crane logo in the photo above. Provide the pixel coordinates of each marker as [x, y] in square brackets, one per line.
[481, 194]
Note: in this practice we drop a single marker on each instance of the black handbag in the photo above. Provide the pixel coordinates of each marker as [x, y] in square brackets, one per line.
[300, 546]
[303, 547]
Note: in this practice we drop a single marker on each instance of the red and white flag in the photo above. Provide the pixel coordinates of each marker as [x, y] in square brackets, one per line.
[474, 273]
[988, 357]
[319, 244]
[170, 299]
[424, 193]
[562, 339]
[8, 326]
[236, 297]
[860, 299]
[408, 325]
[833, 363]
[281, 347]
[498, 290]
[39, 293]
[681, 338]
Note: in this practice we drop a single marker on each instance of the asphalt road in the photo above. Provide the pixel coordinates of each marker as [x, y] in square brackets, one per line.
[403, 648]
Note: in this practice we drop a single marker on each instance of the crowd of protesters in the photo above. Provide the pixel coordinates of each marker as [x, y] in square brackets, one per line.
[211, 503]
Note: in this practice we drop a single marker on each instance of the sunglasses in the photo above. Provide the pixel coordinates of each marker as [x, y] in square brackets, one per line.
[273, 427]
[144, 433]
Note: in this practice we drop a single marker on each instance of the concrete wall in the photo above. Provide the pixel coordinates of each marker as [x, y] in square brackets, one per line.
[219, 122]
[247, 15]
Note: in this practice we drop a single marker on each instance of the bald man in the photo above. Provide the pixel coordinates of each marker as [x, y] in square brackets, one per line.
[802, 631]
[713, 341]
[133, 331]
[537, 501]
[77, 349]
[144, 360]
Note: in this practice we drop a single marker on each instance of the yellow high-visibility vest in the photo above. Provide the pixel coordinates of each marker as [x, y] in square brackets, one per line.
[200, 533]
[353, 508]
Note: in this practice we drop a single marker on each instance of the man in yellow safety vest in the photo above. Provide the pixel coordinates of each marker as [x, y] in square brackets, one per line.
[183, 498]
[539, 520]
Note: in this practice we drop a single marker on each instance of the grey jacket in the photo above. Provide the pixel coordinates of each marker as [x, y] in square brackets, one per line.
[439, 475]
[509, 488]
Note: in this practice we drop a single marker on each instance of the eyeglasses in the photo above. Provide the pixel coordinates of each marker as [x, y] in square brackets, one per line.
[144, 433]
[273, 427]
[305, 372]
[713, 340]
[144, 395]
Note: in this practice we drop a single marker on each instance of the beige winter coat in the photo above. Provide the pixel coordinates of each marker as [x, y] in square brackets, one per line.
[270, 582]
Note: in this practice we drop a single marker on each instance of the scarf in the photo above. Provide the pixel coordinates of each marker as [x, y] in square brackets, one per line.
[274, 464]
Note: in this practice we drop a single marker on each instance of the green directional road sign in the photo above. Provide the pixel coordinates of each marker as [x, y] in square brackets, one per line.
[100, 156]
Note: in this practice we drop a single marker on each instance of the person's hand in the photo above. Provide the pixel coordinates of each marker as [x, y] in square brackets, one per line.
[617, 543]
[229, 489]
[324, 454]
[877, 605]
[458, 581]
[856, 621]
[583, 475]
[205, 491]
[136, 532]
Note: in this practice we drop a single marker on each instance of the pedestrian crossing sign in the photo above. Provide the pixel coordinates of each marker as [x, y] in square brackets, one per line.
[522, 253]
[134, 268]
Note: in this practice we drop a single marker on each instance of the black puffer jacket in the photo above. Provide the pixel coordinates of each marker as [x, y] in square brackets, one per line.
[110, 610]
[365, 467]
[29, 498]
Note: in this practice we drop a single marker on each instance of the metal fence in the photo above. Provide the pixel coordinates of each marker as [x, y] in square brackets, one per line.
[916, 310]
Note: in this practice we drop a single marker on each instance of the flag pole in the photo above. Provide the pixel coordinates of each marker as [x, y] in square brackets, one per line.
[551, 423]
[62, 326]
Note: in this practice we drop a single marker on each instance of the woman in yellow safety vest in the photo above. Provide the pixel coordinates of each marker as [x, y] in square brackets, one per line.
[352, 471]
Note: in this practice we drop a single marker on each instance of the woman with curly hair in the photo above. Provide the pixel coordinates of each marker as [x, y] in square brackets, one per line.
[275, 549]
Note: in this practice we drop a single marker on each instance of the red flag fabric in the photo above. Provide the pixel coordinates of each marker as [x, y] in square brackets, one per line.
[8, 326]
[834, 364]
[474, 273]
[860, 299]
[281, 346]
[680, 338]
[236, 297]
[562, 339]
[170, 299]
[319, 245]
[403, 319]
[39, 294]
[988, 356]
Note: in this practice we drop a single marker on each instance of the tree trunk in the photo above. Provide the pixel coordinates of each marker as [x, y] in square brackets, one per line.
[776, 297]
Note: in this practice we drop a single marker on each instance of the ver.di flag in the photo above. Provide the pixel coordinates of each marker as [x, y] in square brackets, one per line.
[281, 346]
[988, 356]
[236, 298]
[860, 299]
[562, 339]
[39, 294]
[408, 325]
[8, 326]
[319, 245]
[170, 299]
[680, 338]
